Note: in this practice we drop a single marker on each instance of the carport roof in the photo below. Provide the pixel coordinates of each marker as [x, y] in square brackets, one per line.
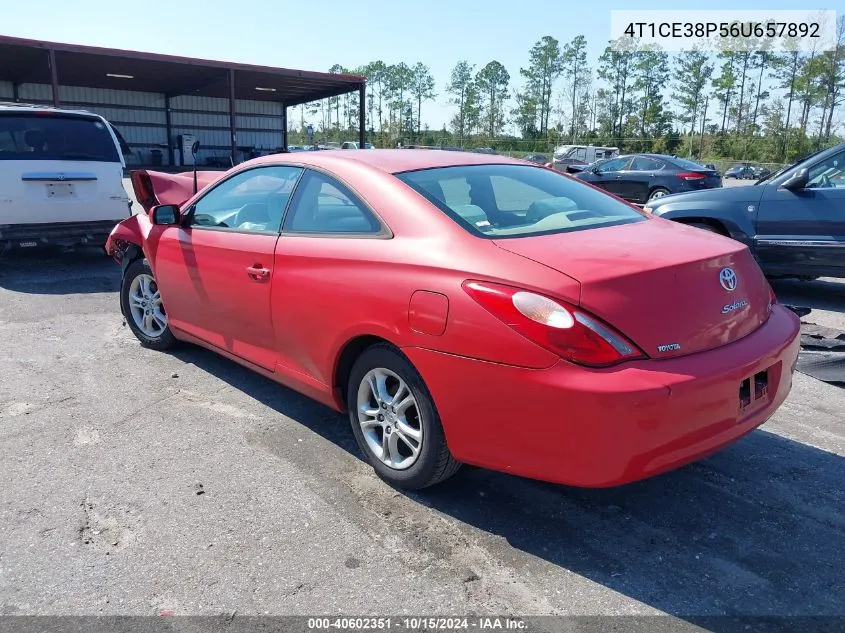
[28, 61]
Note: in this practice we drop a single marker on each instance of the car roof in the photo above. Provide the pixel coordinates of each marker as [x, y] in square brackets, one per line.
[6, 107]
[392, 161]
[644, 154]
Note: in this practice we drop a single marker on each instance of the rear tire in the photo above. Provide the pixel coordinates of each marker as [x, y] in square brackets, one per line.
[658, 192]
[142, 306]
[395, 422]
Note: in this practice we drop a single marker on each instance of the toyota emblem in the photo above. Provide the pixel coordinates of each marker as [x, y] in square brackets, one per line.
[727, 277]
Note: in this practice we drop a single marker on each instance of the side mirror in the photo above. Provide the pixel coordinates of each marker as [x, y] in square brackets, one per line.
[165, 214]
[798, 180]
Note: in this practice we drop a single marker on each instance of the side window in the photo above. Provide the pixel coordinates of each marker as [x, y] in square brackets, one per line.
[828, 173]
[581, 154]
[252, 201]
[617, 164]
[643, 163]
[323, 205]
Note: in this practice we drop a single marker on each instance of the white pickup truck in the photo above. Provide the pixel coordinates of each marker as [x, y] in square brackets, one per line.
[61, 178]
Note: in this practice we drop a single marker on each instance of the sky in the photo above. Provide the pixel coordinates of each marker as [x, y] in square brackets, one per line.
[317, 34]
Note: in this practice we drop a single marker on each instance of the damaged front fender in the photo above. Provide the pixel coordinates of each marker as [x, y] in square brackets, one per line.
[133, 238]
[124, 234]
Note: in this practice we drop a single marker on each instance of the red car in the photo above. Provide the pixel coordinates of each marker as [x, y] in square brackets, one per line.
[464, 308]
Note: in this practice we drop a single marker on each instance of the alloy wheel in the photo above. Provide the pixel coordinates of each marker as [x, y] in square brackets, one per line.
[146, 307]
[389, 418]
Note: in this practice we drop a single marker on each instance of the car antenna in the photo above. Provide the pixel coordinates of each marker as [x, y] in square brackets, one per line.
[195, 147]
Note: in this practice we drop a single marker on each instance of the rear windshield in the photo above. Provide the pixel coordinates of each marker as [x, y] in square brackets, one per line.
[51, 136]
[688, 164]
[501, 201]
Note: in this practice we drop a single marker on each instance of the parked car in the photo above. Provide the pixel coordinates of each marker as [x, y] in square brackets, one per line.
[354, 145]
[792, 221]
[540, 159]
[467, 308]
[563, 164]
[761, 172]
[61, 178]
[574, 169]
[584, 154]
[642, 177]
[744, 171]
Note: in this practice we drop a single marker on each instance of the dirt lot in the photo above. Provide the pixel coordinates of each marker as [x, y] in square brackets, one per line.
[105, 448]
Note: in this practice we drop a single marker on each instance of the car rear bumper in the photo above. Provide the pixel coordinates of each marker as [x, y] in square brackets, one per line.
[14, 236]
[599, 428]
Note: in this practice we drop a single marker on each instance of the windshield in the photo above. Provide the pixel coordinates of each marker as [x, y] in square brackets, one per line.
[783, 170]
[501, 201]
[49, 135]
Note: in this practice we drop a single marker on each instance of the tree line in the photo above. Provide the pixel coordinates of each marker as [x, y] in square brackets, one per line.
[755, 104]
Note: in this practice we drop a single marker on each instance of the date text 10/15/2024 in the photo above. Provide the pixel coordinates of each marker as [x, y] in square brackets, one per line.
[417, 623]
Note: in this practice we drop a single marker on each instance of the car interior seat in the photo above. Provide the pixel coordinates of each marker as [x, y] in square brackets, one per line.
[254, 213]
[541, 209]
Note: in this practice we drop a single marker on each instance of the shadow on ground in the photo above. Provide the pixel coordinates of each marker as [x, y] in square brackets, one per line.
[822, 348]
[757, 529]
[52, 272]
[821, 294]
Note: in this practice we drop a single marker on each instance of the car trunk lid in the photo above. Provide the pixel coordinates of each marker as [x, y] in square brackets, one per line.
[155, 187]
[701, 178]
[672, 289]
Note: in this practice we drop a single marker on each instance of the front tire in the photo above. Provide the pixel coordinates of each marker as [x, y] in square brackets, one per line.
[395, 422]
[143, 308]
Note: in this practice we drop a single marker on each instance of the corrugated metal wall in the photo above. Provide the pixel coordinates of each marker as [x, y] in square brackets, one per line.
[140, 118]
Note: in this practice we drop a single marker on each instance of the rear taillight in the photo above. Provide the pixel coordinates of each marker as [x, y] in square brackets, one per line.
[569, 332]
[691, 175]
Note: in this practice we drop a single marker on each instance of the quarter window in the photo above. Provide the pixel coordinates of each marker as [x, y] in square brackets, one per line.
[252, 201]
[324, 205]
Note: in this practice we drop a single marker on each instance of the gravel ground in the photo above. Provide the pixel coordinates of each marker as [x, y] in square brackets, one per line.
[136, 482]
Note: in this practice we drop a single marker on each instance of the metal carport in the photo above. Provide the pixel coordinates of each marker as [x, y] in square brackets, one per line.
[24, 61]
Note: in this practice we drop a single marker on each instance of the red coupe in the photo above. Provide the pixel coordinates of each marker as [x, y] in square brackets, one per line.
[464, 308]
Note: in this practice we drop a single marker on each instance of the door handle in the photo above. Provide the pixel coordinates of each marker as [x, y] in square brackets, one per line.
[257, 273]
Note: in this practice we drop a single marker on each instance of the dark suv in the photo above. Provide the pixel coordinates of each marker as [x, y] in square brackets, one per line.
[793, 220]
